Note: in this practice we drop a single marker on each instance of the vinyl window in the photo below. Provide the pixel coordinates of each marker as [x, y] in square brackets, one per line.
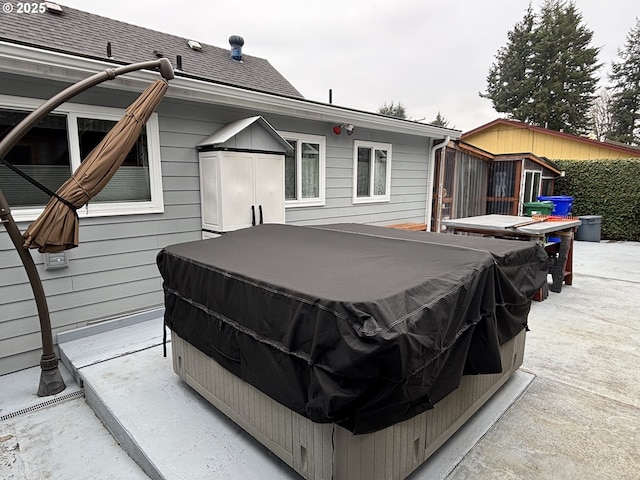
[55, 147]
[532, 182]
[372, 172]
[305, 170]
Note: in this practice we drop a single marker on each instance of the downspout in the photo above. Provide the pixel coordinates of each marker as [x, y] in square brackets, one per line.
[432, 162]
[523, 186]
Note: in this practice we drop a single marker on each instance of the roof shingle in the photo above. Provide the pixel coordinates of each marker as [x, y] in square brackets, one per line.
[84, 34]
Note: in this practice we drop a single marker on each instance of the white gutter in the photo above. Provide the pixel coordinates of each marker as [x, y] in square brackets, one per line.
[35, 62]
[432, 163]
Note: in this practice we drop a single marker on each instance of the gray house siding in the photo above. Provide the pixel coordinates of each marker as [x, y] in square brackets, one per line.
[113, 271]
[409, 177]
[408, 186]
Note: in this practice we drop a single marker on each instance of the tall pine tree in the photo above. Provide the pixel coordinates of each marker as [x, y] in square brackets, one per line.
[625, 90]
[509, 83]
[546, 74]
[393, 110]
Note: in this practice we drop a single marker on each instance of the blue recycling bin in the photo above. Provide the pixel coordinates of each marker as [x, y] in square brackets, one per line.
[562, 204]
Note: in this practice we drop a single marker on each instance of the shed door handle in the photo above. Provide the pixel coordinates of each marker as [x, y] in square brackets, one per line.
[253, 215]
[261, 218]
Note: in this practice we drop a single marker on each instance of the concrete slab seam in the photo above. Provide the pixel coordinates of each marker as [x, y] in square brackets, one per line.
[118, 355]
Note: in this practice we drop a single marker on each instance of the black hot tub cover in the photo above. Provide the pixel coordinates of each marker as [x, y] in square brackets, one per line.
[352, 324]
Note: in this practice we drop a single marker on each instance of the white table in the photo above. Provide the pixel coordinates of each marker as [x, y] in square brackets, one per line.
[510, 226]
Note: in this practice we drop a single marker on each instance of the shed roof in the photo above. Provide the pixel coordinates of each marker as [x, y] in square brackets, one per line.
[81, 33]
[232, 129]
[628, 149]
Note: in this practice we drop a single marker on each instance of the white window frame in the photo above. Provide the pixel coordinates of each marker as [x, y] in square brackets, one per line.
[306, 138]
[72, 111]
[372, 198]
[535, 195]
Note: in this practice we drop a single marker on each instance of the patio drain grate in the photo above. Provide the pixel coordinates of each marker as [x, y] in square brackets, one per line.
[39, 406]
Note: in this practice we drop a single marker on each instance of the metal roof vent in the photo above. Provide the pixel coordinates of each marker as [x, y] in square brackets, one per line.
[236, 43]
[193, 45]
[53, 7]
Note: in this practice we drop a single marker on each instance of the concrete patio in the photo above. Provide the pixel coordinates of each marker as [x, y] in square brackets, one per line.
[572, 412]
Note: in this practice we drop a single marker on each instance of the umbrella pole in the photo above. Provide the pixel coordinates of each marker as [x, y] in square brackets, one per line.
[50, 378]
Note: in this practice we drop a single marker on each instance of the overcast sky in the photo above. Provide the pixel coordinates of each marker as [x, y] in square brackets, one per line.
[430, 55]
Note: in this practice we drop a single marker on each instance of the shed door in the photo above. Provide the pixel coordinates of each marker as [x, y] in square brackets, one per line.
[269, 187]
[236, 182]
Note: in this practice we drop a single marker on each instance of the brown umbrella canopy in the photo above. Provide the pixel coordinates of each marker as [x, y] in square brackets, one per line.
[56, 229]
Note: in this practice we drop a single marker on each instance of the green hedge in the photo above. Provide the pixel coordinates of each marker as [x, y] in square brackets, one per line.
[610, 188]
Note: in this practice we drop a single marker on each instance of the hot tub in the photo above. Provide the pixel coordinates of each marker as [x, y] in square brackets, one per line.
[350, 351]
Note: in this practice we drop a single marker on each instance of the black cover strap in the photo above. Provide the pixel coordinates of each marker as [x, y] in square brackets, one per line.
[37, 184]
[164, 339]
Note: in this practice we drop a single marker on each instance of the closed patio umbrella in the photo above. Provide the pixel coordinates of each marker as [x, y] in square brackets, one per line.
[51, 381]
[56, 229]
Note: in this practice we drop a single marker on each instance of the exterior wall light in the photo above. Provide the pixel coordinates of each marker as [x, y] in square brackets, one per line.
[337, 129]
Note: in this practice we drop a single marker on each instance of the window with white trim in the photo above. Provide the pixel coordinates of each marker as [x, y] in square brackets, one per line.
[372, 172]
[304, 172]
[52, 150]
[532, 181]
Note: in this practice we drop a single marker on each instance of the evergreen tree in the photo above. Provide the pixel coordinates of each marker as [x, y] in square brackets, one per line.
[440, 121]
[625, 90]
[509, 82]
[546, 74]
[393, 110]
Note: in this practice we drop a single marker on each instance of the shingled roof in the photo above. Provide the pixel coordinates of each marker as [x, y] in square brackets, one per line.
[84, 34]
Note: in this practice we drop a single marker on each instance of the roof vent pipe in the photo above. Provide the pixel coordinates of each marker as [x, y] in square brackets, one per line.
[236, 43]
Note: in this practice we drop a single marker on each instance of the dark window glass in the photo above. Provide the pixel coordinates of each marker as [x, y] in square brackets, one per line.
[131, 181]
[531, 186]
[290, 173]
[42, 153]
[364, 172]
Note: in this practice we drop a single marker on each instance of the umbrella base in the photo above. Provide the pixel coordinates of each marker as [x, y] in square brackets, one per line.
[51, 381]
